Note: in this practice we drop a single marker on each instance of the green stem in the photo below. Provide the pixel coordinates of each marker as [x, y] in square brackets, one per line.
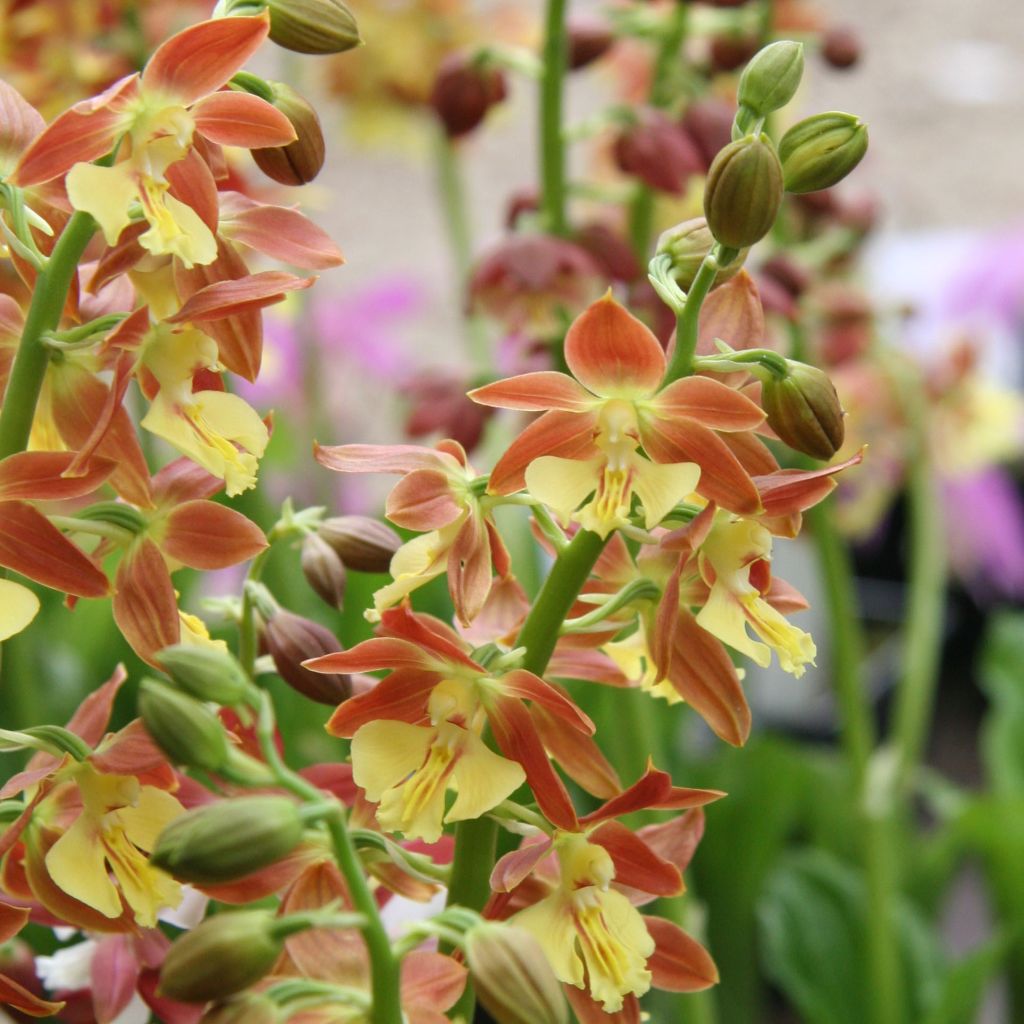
[552, 143]
[922, 641]
[846, 658]
[48, 298]
[247, 639]
[460, 238]
[475, 840]
[688, 319]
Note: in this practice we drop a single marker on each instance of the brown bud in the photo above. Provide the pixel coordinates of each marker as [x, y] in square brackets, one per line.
[512, 976]
[708, 121]
[290, 640]
[609, 250]
[658, 152]
[841, 47]
[590, 38]
[464, 90]
[743, 192]
[785, 271]
[300, 161]
[313, 26]
[223, 955]
[731, 52]
[438, 405]
[323, 569]
[363, 544]
[803, 409]
[687, 244]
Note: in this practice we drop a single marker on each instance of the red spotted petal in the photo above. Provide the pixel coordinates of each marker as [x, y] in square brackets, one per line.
[636, 864]
[203, 57]
[277, 231]
[205, 535]
[535, 392]
[31, 545]
[84, 133]
[612, 353]
[709, 402]
[145, 608]
[679, 963]
[722, 479]
[569, 435]
[241, 119]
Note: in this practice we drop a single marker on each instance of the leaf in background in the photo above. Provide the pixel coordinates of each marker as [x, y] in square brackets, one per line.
[964, 985]
[813, 926]
[1002, 678]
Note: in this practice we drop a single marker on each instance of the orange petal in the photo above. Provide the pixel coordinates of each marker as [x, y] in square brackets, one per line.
[31, 545]
[228, 298]
[277, 231]
[241, 119]
[377, 458]
[732, 312]
[39, 475]
[423, 500]
[535, 392]
[193, 184]
[612, 353]
[679, 963]
[527, 686]
[15, 995]
[431, 980]
[795, 490]
[21, 124]
[145, 608]
[636, 864]
[200, 59]
[709, 402]
[205, 535]
[577, 754]
[469, 569]
[568, 435]
[401, 697]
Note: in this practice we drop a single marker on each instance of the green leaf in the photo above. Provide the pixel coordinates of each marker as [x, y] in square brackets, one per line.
[1002, 678]
[964, 985]
[814, 926]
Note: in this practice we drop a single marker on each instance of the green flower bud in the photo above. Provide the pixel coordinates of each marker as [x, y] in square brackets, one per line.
[229, 840]
[206, 673]
[223, 955]
[188, 732]
[803, 409]
[687, 244]
[250, 1009]
[743, 192]
[300, 161]
[771, 78]
[820, 151]
[313, 26]
[512, 977]
[363, 544]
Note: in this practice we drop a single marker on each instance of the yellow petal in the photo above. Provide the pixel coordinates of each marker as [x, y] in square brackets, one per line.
[563, 484]
[177, 230]
[550, 922]
[77, 864]
[385, 753]
[146, 889]
[18, 607]
[661, 487]
[483, 779]
[106, 193]
[145, 821]
[615, 944]
[723, 616]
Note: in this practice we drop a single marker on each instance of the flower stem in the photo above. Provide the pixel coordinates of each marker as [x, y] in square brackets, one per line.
[552, 144]
[922, 640]
[247, 640]
[29, 369]
[475, 840]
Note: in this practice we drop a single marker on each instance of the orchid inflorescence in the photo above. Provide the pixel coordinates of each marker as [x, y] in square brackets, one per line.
[654, 492]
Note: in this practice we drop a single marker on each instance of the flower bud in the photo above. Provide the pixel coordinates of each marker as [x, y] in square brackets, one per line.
[771, 78]
[820, 151]
[658, 151]
[313, 26]
[223, 955]
[205, 672]
[464, 90]
[362, 543]
[708, 121]
[803, 409]
[688, 243]
[250, 1009]
[512, 977]
[729, 52]
[743, 192]
[290, 640]
[300, 161]
[841, 47]
[324, 570]
[228, 840]
[187, 731]
[590, 38]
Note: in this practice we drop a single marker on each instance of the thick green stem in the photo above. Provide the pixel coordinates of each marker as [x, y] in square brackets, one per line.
[247, 638]
[552, 143]
[48, 298]
[688, 320]
[922, 640]
[475, 840]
